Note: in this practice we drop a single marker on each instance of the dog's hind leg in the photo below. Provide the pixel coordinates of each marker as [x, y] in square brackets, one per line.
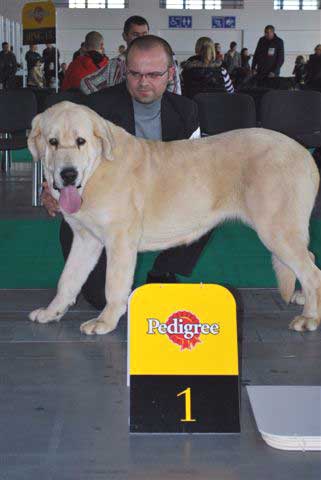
[291, 250]
[286, 281]
[285, 277]
[82, 258]
[298, 296]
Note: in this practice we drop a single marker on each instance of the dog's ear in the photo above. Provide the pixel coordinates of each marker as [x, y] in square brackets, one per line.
[103, 131]
[36, 143]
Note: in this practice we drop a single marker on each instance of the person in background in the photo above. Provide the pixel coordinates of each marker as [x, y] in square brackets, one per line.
[49, 58]
[243, 74]
[36, 77]
[8, 67]
[32, 57]
[115, 72]
[143, 107]
[245, 59]
[313, 70]
[202, 74]
[62, 73]
[93, 60]
[81, 51]
[121, 49]
[299, 71]
[198, 46]
[269, 55]
[232, 59]
[219, 57]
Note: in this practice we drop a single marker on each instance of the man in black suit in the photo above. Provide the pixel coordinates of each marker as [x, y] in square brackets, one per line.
[144, 108]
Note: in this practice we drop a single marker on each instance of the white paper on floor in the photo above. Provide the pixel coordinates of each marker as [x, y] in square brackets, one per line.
[288, 417]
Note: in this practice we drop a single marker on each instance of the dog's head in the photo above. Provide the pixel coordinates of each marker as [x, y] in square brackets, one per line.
[70, 140]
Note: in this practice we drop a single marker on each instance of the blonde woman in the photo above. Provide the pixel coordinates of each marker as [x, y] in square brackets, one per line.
[201, 74]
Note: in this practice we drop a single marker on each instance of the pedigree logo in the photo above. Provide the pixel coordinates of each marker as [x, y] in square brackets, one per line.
[182, 328]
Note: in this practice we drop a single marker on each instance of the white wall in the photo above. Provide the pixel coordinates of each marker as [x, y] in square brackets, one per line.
[300, 30]
[11, 9]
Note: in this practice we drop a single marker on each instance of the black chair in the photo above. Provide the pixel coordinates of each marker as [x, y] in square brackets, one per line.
[74, 96]
[297, 114]
[41, 95]
[17, 109]
[257, 94]
[221, 112]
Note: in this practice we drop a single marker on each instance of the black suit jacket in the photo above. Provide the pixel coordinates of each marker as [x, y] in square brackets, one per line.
[179, 115]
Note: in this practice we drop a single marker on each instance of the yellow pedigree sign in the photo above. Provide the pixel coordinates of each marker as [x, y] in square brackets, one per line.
[37, 15]
[39, 23]
[182, 329]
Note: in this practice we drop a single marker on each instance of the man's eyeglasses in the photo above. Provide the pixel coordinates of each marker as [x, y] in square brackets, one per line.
[148, 76]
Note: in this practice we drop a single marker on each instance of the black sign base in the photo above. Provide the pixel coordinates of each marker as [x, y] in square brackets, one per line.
[158, 404]
[39, 36]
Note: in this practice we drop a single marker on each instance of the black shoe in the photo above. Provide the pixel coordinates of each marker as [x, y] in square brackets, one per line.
[155, 277]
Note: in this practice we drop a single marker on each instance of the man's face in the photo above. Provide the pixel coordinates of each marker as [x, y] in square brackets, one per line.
[269, 33]
[318, 51]
[6, 47]
[135, 31]
[148, 74]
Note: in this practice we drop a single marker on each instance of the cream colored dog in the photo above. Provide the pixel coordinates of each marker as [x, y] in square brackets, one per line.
[128, 195]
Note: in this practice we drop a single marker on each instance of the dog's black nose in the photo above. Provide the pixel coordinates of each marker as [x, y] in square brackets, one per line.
[69, 175]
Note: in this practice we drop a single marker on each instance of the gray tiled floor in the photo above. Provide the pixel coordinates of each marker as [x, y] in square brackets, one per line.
[64, 400]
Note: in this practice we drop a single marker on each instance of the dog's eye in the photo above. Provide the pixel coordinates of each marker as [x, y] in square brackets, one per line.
[53, 142]
[80, 141]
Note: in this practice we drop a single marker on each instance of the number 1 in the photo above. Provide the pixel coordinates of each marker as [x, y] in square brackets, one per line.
[188, 405]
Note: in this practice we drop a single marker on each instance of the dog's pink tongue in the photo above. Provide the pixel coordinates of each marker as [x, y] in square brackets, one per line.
[70, 200]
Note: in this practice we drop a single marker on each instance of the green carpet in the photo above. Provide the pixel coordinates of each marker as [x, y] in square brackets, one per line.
[21, 156]
[30, 256]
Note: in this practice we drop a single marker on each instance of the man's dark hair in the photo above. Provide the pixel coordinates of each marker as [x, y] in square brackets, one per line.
[148, 42]
[134, 20]
[269, 27]
[4, 43]
[233, 44]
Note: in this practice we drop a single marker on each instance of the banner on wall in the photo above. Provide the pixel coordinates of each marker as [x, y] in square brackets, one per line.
[39, 23]
[223, 22]
[180, 21]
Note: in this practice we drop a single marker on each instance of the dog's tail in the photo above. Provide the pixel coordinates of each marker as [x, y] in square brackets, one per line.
[285, 277]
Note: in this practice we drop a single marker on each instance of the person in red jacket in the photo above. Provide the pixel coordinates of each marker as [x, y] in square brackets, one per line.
[83, 65]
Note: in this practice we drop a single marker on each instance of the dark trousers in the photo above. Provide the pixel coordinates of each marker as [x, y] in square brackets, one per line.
[180, 260]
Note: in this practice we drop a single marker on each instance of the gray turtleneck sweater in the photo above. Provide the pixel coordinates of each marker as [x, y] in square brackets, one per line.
[148, 120]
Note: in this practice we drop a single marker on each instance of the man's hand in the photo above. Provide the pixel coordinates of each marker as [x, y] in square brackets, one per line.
[48, 201]
[271, 75]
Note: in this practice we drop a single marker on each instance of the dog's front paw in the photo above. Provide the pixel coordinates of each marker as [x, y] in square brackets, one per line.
[96, 326]
[302, 323]
[44, 315]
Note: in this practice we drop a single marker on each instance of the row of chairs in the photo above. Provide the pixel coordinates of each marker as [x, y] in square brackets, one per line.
[297, 114]
[294, 113]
